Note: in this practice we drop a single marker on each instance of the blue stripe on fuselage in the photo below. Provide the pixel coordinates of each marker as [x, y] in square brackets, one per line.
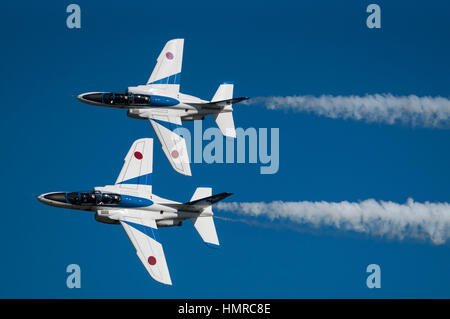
[159, 100]
[133, 201]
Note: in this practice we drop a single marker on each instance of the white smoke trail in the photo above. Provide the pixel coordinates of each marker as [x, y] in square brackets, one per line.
[392, 220]
[433, 112]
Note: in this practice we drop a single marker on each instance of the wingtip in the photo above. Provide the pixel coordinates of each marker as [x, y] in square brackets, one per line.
[230, 135]
[186, 173]
[167, 283]
[213, 246]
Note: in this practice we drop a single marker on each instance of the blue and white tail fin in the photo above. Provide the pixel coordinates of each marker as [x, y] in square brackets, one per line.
[136, 173]
[224, 119]
[205, 224]
[166, 75]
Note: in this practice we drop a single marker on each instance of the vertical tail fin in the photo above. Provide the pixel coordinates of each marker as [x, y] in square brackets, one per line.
[205, 224]
[224, 119]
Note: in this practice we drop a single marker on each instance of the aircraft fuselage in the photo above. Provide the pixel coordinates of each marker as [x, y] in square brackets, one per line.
[108, 206]
[127, 100]
[138, 105]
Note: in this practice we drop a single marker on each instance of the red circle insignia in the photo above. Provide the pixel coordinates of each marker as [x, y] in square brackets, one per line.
[152, 260]
[175, 154]
[138, 155]
[169, 55]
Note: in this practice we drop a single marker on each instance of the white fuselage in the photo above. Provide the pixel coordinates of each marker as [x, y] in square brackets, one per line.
[155, 207]
[185, 106]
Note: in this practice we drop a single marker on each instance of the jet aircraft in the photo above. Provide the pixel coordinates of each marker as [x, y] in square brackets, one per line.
[131, 203]
[161, 102]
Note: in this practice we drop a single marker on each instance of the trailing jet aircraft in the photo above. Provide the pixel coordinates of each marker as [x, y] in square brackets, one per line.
[131, 203]
[161, 102]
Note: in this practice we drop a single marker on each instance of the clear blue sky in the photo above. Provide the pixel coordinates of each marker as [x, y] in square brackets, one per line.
[52, 142]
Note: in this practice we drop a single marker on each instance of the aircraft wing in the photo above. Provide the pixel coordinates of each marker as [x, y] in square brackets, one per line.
[173, 145]
[143, 233]
[137, 168]
[167, 73]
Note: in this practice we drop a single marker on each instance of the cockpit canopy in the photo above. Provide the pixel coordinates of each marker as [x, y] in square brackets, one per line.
[125, 99]
[93, 198]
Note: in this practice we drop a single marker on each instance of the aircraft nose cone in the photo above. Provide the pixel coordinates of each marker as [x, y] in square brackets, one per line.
[90, 97]
[57, 197]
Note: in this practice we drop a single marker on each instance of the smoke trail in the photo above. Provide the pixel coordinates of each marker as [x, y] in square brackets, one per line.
[276, 226]
[245, 221]
[258, 223]
[433, 112]
[392, 220]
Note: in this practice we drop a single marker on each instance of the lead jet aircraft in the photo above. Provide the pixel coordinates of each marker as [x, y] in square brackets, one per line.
[161, 102]
[131, 203]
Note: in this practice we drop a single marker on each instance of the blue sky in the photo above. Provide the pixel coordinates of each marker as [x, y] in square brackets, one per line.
[52, 142]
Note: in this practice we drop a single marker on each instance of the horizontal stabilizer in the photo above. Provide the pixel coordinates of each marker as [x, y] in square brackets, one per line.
[199, 205]
[219, 104]
[225, 123]
[202, 203]
[207, 230]
[201, 192]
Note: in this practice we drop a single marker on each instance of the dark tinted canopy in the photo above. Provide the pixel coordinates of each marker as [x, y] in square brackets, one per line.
[93, 198]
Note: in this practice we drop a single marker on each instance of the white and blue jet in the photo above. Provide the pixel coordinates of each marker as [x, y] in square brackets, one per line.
[161, 102]
[131, 203]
